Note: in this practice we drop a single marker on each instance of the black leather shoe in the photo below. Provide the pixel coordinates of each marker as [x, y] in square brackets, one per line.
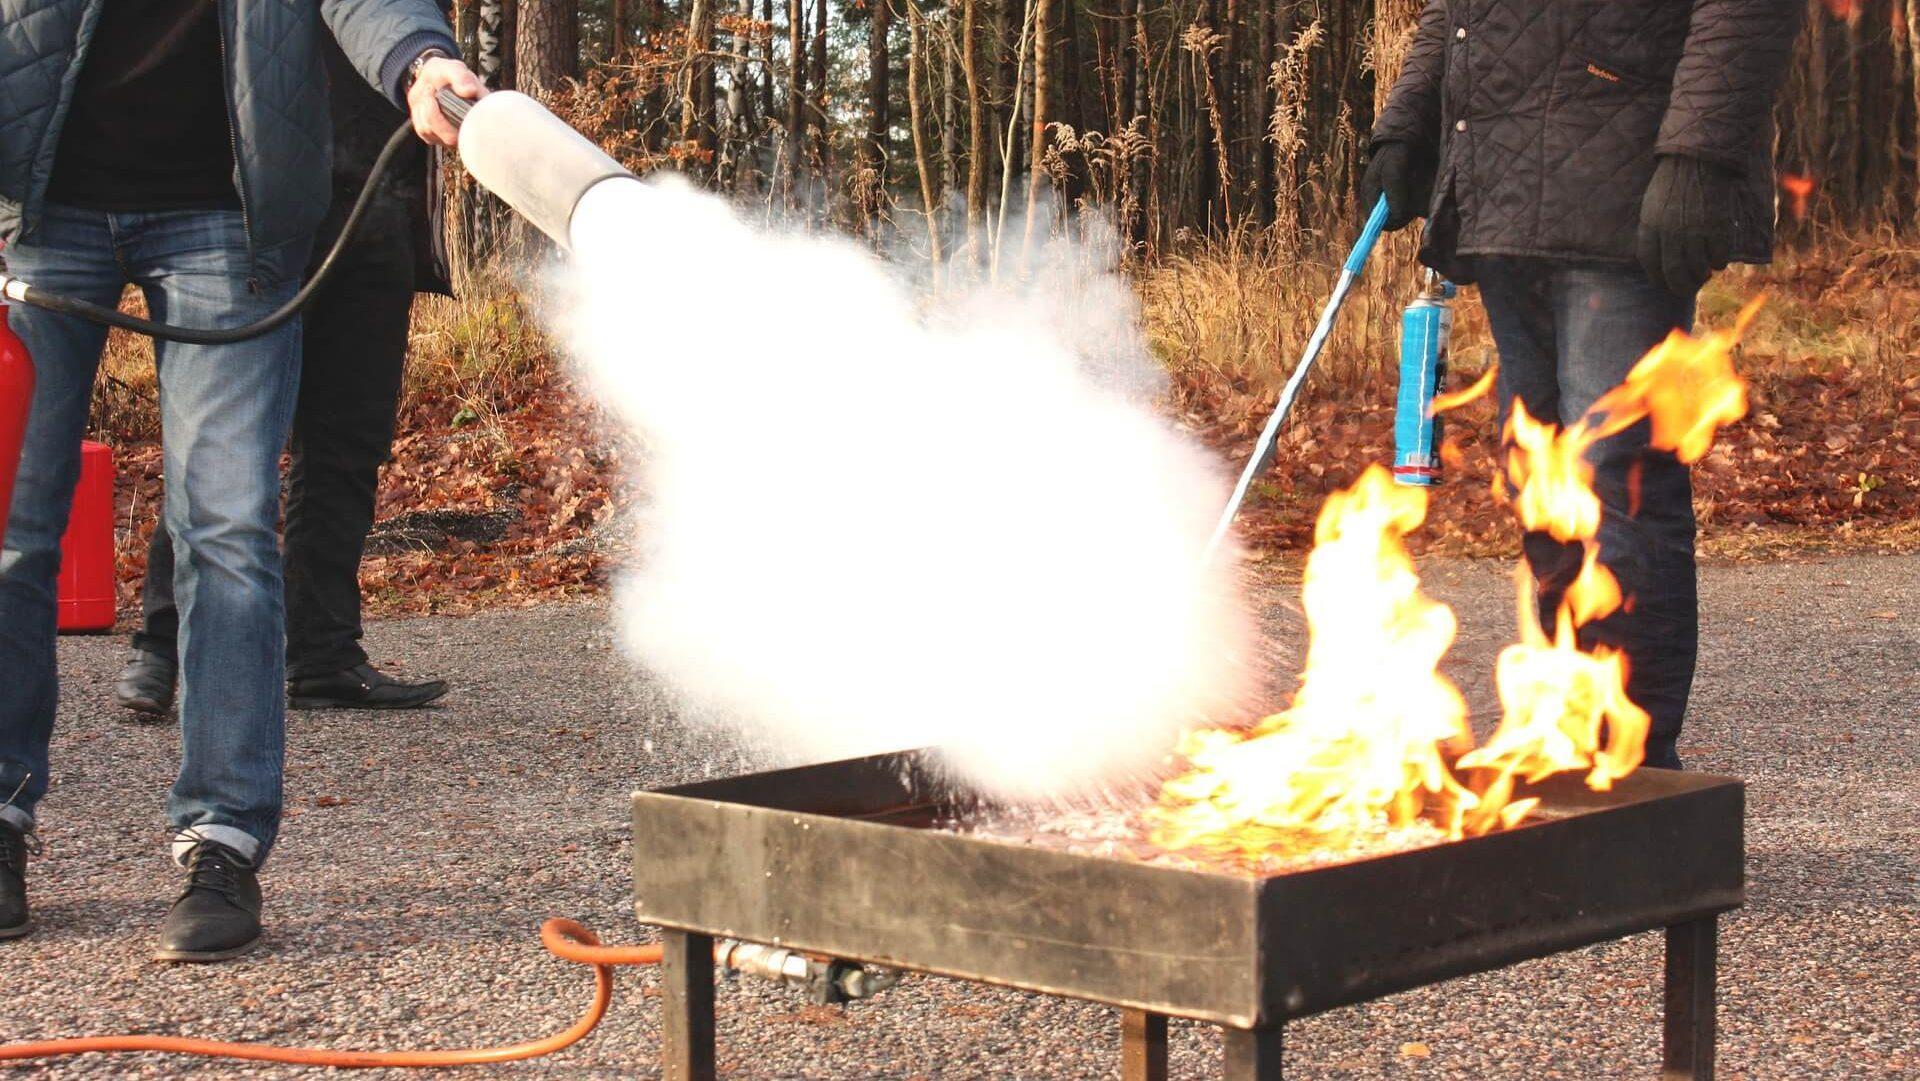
[146, 684]
[361, 687]
[218, 915]
[14, 845]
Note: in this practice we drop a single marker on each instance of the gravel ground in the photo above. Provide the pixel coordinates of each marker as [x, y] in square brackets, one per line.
[422, 850]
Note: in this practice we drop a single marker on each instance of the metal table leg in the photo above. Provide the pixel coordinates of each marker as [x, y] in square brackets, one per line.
[1143, 1046]
[1253, 1054]
[686, 975]
[1691, 949]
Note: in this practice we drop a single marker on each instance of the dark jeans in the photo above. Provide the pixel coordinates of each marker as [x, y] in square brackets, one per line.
[1566, 335]
[356, 350]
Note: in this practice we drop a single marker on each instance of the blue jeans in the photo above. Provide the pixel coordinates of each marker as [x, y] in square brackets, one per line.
[225, 412]
[1566, 334]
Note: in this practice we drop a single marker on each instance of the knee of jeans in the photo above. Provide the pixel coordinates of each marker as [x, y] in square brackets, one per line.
[226, 543]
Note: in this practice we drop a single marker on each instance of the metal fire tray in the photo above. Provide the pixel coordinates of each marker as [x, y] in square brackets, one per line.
[838, 859]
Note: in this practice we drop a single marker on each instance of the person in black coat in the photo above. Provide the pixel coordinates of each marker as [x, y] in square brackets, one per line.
[1590, 164]
[355, 351]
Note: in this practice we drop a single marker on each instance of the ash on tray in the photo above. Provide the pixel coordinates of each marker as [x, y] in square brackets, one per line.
[1123, 834]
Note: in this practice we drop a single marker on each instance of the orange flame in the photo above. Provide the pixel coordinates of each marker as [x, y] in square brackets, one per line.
[1564, 708]
[1365, 743]
[1456, 399]
[1354, 751]
[1798, 188]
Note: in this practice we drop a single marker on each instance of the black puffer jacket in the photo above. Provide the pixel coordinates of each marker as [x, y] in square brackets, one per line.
[1545, 117]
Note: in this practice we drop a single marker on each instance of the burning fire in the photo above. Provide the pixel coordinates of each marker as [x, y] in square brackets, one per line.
[1365, 745]
[1355, 750]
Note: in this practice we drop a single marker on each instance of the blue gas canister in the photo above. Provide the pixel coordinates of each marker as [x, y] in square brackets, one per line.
[1424, 329]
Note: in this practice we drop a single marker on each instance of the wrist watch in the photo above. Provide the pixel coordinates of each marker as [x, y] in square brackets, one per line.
[413, 69]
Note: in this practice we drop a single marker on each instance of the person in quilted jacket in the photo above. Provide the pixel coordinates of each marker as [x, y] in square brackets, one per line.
[181, 146]
[1590, 164]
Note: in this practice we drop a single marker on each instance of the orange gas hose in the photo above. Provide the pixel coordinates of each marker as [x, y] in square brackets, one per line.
[562, 938]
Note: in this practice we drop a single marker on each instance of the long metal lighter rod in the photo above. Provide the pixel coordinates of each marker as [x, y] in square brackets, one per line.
[1262, 450]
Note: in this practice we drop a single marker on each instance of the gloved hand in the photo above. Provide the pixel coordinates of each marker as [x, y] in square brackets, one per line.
[1404, 173]
[1686, 223]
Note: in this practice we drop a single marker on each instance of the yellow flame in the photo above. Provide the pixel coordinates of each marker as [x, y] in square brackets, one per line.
[1366, 741]
[1563, 707]
[1355, 750]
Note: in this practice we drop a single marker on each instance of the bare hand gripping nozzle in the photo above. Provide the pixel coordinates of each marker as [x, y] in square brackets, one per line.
[511, 144]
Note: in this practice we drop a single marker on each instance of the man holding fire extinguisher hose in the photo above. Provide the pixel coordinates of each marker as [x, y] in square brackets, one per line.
[1590, 164]
[181, 146]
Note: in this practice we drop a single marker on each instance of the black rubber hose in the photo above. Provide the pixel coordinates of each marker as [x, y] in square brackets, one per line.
[113, 317]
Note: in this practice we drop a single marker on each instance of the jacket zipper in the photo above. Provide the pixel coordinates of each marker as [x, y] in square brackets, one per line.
[233, 145]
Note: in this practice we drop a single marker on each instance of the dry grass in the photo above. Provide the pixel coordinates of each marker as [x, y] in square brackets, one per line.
[126, 397]
[477, 352]
[1848, 308]
[1230, 322]
[1824, 464]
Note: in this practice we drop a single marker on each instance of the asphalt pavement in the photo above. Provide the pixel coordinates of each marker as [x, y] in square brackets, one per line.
[421, 851]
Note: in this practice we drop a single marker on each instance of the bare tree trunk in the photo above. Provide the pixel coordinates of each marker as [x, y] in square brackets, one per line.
[1010, 44]
[1913, 76]
[738, 148]
[949, 113]
[796, 99]
[977, 152]
[495, 36]
[466, 30]
[879, 70]
[1106, 62]
[1008, 155]
[693, 134]
[547, 53]
[1850, 117]
[620, 30]
[1262, 109]
[468, 240]
[916, 71]
[657, 104]
[1148, 168]
[1072, 108]
[1037, 141]
[1228, 87]
[823, 140]
[766, 61]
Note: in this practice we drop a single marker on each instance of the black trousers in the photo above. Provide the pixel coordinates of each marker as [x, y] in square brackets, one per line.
[355, 339]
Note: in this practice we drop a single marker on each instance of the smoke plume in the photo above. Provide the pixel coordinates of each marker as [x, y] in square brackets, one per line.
[872, 521]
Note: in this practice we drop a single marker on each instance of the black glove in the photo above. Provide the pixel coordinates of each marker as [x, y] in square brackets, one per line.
[1405, 173]
[1686, 223]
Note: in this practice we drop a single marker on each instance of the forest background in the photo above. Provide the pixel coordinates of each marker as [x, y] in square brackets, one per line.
[1221, 140]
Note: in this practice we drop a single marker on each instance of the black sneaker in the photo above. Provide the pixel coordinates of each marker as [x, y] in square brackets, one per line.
[218, 915]
[14, 846]
[146, 684]
[361, 687]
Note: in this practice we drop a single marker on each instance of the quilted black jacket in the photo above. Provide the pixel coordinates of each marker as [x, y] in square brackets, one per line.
[1545, 118]
[282, 142]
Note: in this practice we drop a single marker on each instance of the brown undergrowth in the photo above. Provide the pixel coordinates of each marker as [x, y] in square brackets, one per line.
[1828, 459]
[503, 480]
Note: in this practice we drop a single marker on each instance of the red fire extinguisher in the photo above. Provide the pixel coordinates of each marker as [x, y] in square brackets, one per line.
[16, 393]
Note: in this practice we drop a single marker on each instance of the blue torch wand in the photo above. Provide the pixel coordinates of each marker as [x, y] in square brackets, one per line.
[1263, 450]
